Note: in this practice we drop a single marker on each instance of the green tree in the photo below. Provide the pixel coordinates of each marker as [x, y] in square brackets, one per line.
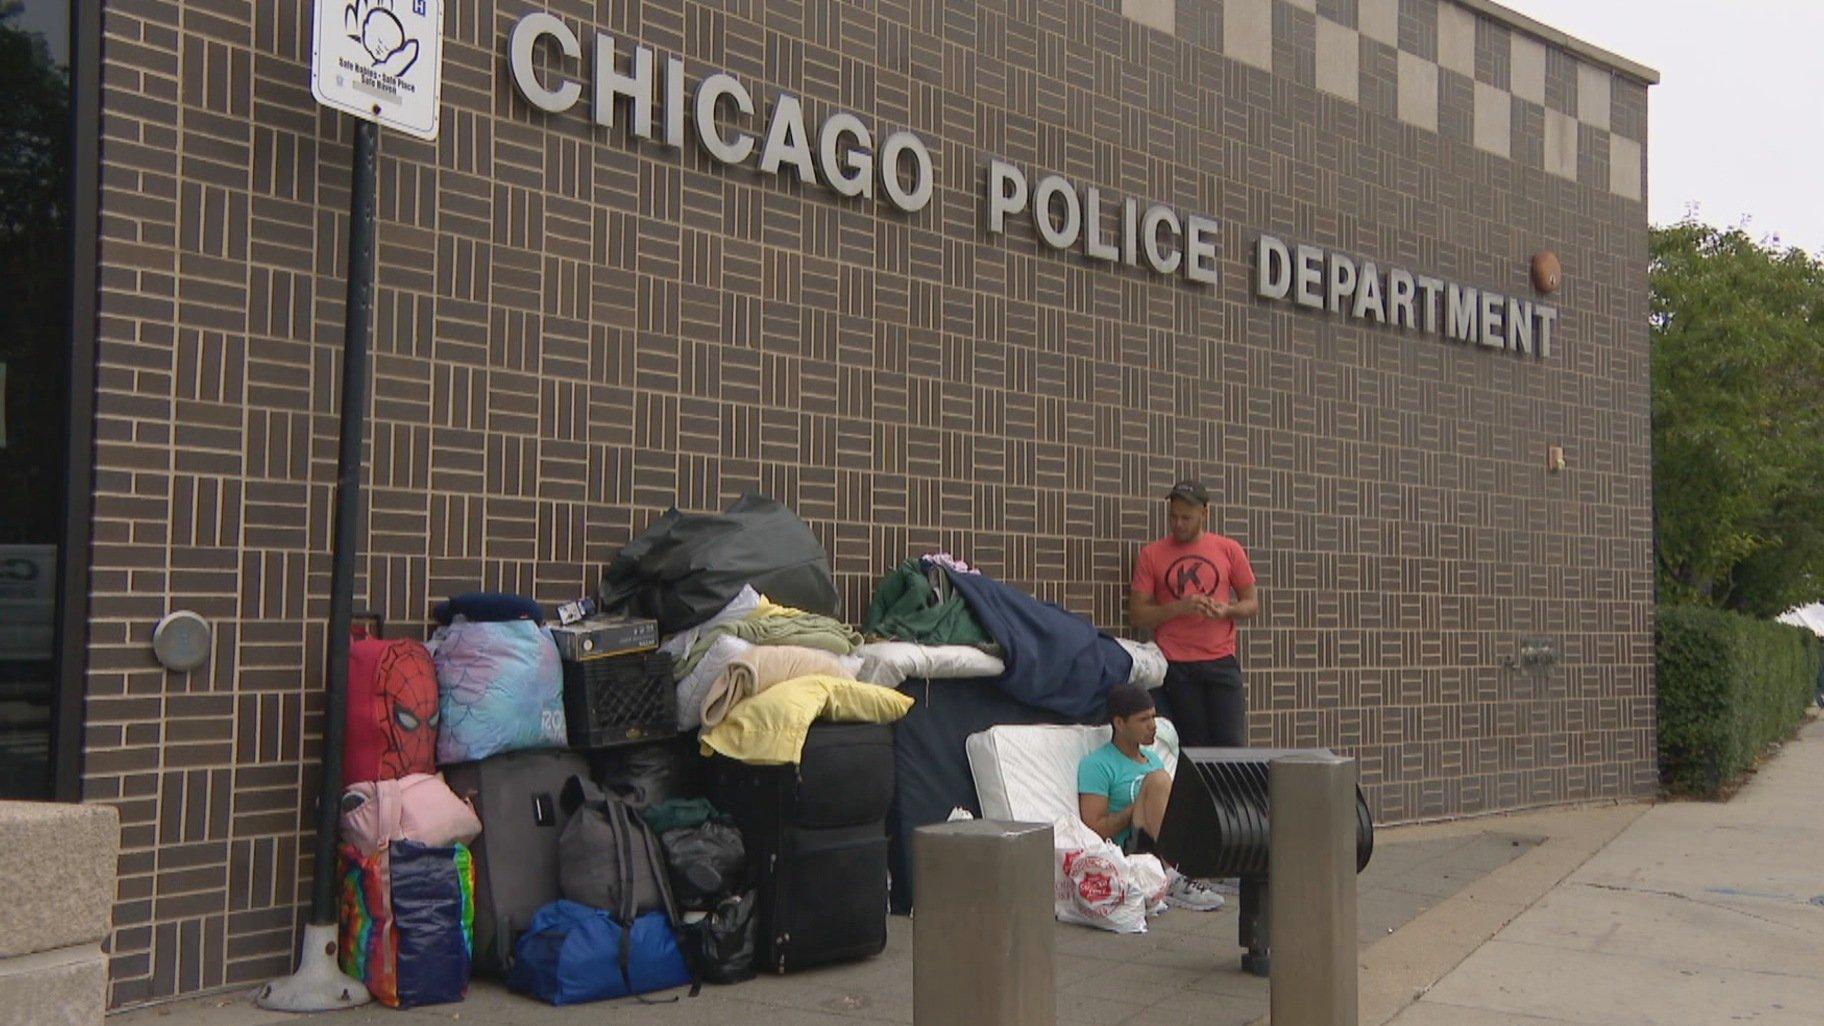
[1738, 420]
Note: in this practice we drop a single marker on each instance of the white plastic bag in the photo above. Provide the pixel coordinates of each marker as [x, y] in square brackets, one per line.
[1096, 886]
[1150, 878]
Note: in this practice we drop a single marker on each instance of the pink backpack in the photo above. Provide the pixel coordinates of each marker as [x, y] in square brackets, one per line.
[418, 807]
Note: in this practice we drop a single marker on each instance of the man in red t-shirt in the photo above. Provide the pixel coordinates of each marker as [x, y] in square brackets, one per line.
[1189, 589]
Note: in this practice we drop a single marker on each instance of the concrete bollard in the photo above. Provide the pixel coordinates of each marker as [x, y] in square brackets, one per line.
[982, 933]
[1311, 861]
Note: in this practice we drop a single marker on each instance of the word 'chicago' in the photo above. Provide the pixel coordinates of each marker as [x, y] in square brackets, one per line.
[842, 156]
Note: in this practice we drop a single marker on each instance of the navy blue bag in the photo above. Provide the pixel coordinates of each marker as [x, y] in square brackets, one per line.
[572, 954]
[488, 607]
[1054, 658]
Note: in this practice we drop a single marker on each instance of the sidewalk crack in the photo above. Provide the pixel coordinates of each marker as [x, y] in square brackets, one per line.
[1686, 897]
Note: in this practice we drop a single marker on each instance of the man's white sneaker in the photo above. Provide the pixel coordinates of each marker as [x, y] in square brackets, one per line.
[1183, 892]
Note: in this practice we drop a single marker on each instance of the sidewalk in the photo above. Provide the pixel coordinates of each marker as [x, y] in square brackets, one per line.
[1683, 913]
[1186, 968]
[1697, 913]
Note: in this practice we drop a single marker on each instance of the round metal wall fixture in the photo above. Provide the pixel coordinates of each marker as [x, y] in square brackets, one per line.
[182, 641]
[1548, 274]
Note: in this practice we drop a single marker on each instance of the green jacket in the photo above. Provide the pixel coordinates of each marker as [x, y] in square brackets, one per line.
[907, 608]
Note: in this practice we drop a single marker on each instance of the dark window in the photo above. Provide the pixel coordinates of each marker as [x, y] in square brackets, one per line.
[35, 388]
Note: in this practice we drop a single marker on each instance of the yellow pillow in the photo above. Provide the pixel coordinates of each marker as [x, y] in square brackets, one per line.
[769, 728]
[768, 607]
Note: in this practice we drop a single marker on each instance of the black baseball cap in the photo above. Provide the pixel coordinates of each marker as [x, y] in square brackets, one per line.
[1190, 491]
[1126, 700]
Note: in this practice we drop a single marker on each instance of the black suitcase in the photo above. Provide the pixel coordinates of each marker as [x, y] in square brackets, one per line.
[844, 778]
[816, 835]
[516, 797]
[823, 896]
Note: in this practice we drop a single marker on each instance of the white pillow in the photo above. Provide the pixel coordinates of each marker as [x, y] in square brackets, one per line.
[882, 659]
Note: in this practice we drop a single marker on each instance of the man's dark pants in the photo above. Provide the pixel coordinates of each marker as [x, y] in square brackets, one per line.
[1207, 703]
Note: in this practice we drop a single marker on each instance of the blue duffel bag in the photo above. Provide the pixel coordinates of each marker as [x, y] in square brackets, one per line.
[573, 953]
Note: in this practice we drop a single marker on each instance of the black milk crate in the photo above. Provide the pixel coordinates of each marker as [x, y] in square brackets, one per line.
[611, 700]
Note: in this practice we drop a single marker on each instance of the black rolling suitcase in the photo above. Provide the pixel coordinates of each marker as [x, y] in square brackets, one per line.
[823, 896]
[516, 797]
[844, 778]
[817, 844]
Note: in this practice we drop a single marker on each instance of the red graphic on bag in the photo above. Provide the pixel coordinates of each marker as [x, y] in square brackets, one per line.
[1096, 881]
[392, 710]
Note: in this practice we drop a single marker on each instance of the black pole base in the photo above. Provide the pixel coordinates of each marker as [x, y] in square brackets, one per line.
[1251, 926]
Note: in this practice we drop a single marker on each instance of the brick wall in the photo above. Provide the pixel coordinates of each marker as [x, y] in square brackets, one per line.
[573, 332]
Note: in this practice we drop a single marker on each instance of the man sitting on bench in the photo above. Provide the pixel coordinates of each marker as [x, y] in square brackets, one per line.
[1122, 791]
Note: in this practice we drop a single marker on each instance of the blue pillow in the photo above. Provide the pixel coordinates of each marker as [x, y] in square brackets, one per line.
[500, 688]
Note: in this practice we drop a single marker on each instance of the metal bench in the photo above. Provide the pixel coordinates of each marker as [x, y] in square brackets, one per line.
[1216, 827]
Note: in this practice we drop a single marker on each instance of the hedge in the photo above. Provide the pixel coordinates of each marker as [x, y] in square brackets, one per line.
[1729, 685]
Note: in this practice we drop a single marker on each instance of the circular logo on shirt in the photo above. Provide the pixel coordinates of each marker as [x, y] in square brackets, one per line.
[1192, 575]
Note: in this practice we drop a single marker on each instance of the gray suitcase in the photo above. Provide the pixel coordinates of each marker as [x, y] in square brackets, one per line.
[517, 796]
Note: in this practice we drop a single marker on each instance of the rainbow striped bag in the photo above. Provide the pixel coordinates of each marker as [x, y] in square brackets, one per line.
[407, 921]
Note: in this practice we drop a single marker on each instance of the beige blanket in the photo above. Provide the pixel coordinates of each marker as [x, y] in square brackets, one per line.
[760, 668]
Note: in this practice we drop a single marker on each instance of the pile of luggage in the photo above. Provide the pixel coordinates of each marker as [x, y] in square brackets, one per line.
[524, 800]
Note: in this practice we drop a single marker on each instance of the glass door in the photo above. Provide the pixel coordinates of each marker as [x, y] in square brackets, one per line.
[35, 392]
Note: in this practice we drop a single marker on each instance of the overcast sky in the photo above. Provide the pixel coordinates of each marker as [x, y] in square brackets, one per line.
[1736, 125]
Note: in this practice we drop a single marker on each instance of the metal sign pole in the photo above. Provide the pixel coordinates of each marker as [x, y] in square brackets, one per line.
[319, 984]
[383, 63]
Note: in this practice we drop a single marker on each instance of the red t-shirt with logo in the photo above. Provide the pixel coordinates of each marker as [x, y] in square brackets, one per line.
[1168, 571]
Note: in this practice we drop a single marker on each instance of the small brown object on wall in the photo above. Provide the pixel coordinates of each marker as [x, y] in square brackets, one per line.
[1547, 272]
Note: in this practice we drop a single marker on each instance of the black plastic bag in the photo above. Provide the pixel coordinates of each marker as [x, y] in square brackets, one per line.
[651, 772]
[686, 566]
[706, 862]
[721, 944]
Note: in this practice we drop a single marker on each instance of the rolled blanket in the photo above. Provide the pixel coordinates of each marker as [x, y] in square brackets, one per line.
[780, 626]
[806, 630]
[760, 668]
[693, 686]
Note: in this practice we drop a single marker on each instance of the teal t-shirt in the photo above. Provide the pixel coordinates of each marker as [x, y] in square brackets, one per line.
[1106, 771]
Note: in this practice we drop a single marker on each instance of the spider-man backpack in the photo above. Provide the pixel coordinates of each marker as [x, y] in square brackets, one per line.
[392, 708]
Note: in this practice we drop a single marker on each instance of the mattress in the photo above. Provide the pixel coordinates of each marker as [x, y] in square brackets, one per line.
[931, 760]
[1028, 774]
